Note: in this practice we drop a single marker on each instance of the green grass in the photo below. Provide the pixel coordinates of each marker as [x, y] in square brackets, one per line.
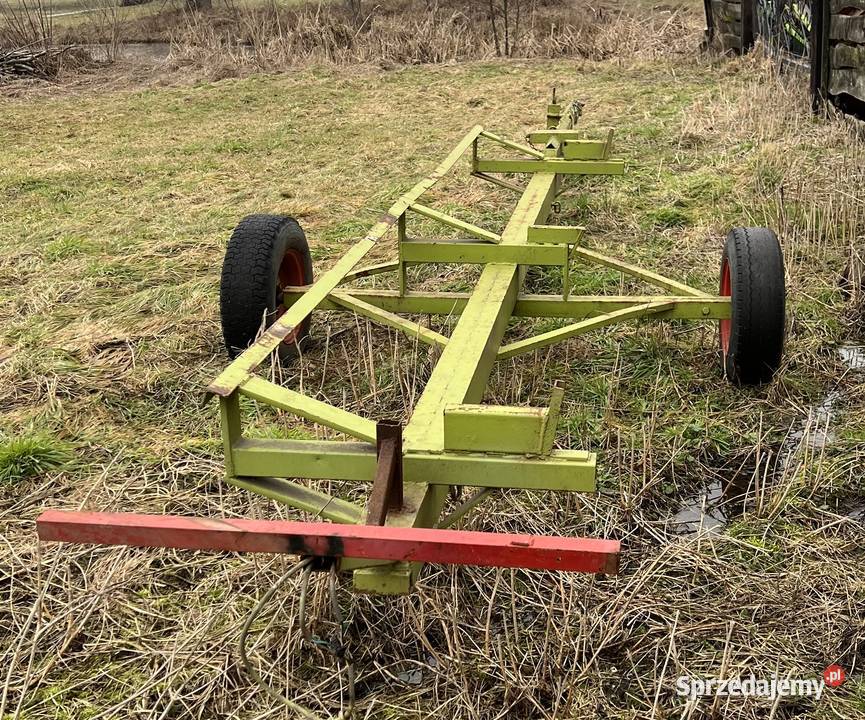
[32, 456]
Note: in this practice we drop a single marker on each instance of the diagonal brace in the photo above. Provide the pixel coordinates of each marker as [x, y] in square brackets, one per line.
[519, 147]
[453, 222]
[369, 270]
[569, 331]
[412, 329]
[315, 502]
[501, 182]
[308, 408]
[648, 276]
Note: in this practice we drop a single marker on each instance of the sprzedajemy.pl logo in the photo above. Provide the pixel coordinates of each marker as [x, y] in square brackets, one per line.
[752, 686]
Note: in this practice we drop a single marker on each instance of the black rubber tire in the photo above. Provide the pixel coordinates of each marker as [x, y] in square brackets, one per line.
[755, 333]
[249, 293]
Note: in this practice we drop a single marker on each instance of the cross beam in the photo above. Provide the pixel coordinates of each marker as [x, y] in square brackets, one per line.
[566, 470]
[686, 307]
[332, 540]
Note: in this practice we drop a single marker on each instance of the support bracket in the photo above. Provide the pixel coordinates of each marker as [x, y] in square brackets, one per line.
[502, 429]
[554, 234]
[387, 487]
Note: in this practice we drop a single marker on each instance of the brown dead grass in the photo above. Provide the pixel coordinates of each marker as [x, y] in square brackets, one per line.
[420, 33]
[235, 37]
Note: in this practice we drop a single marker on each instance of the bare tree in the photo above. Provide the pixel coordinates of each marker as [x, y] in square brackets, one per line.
[505, 22]
[354, 8]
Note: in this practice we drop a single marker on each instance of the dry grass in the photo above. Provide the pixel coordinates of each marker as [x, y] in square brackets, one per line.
[236, 39]
[239, 37]
[116, 215]
[419, 33]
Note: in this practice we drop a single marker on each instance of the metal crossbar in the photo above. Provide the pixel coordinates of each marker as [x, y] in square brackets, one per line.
[333, 541]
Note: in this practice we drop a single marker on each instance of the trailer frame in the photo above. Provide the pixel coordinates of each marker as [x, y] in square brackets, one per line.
[507, 447]
[451, 439]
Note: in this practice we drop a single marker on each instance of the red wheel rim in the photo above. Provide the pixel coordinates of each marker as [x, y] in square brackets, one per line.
[726, 291]
[290, 273]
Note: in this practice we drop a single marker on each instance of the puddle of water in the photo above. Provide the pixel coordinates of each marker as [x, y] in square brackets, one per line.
[717, 504]
[815, 432]
[415, 675]
[857, 513]
[713, 509]
[412, 677]
[699, 513]
[139, 52]
[68, 13]
[853, 356]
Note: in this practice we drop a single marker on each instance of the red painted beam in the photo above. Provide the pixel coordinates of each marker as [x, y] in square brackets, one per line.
[333, 540]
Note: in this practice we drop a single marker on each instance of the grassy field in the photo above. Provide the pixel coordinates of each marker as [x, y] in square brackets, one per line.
[117, 204]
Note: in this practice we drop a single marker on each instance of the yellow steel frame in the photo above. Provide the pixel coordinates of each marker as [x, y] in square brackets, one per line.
[506, 447]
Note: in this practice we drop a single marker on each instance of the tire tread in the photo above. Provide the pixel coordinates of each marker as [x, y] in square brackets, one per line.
[758, 319]
[247, 272]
